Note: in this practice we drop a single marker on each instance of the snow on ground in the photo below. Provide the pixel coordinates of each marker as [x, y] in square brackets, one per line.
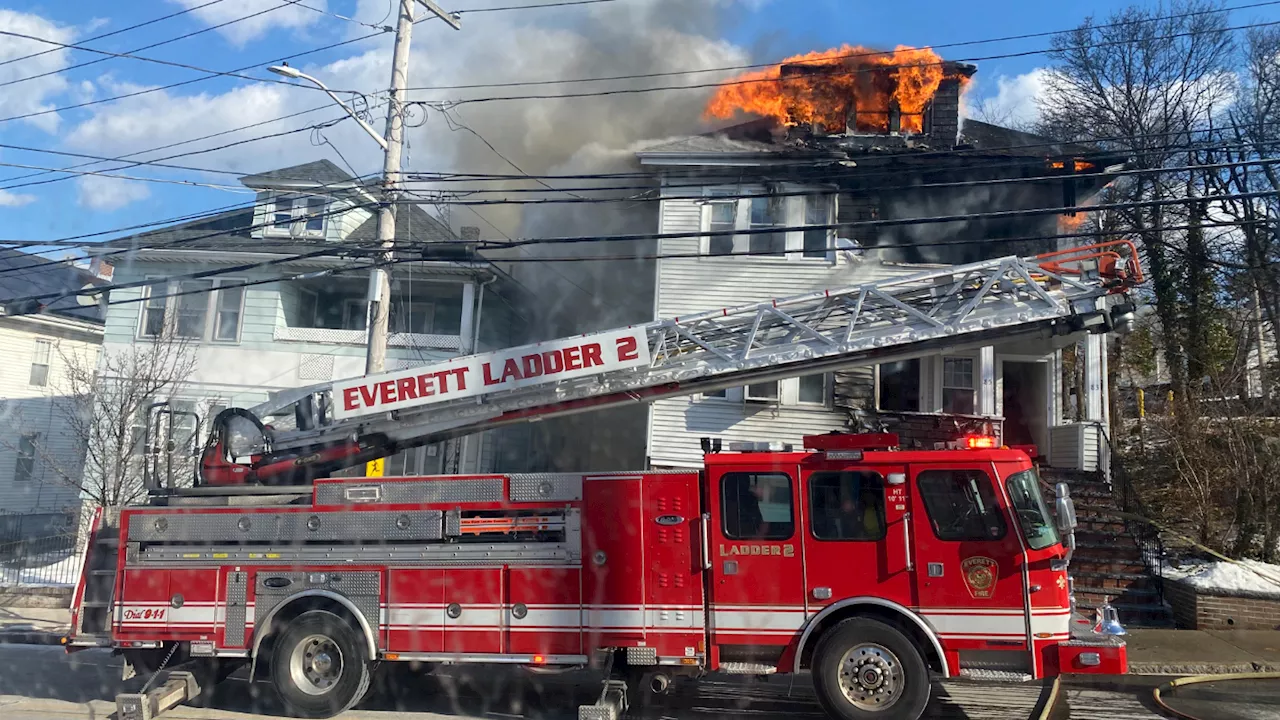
[1249, 576]
[58, 573]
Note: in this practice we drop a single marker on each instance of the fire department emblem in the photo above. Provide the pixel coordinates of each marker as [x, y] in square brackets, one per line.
[980, 576]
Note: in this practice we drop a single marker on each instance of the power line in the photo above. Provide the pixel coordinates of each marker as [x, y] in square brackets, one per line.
[117, 32]
[808, 77]
[842, 56]
[139, 178]
[536, 6]
[130, 54]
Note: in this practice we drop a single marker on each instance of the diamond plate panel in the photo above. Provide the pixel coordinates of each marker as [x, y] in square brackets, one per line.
[363, 589]
[237, 590]
[211, 528]
[642, 656]
[417, 491]
[541, 487]
[452, 523]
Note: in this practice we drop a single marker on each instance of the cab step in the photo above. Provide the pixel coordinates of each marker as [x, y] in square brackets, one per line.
[747, 668]
[999, 676]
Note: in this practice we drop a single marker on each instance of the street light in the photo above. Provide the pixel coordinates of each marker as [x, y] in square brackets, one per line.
[296, 74]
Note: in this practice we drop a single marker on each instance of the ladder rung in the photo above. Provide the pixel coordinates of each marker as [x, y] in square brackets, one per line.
[96, 604]
[102, 572]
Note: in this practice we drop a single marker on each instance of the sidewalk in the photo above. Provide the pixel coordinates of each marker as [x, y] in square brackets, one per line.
[1202, 652]
[36, 626]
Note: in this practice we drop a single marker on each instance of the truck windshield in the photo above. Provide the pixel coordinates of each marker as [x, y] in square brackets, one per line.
[1033, 515]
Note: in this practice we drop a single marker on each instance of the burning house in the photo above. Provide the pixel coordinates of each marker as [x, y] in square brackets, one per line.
[869, 148]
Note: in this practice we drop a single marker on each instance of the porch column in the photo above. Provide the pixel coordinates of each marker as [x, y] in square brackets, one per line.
[468, 318]
[987, 386]
[1095, 379]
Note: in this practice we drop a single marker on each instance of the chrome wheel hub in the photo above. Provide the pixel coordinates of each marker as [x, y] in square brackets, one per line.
[315, 664]
[871, 677]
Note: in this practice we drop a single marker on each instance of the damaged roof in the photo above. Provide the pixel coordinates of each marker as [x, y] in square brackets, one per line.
[23, 275]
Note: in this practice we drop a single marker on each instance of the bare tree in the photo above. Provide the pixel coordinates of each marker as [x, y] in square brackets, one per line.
[1143, 83]
[105, 406]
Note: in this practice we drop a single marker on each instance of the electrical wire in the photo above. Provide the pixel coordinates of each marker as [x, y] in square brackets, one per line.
[116, 32]
[130, 54]
[817, 72]
[842, 56]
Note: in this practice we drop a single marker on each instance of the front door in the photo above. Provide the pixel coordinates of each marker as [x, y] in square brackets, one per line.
[968, 563]
[757, 575]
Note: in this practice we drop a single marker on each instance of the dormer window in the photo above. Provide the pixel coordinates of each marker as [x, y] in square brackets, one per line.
[297, 216]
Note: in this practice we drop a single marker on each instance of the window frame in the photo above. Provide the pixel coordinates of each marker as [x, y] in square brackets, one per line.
[828, 234]
[775, 400]
[920, 386]
[791, 505]
[429, 309]
[793, 210]
[45, 347]
[299, 208]
[828, 383]
[169, 318]
[23, 457]
[997, 510]
[883, 514]
[943, 387]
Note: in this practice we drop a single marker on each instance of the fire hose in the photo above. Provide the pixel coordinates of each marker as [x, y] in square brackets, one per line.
[1169, 687]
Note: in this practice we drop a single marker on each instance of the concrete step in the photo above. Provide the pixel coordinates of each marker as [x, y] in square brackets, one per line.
[1099, 524]
[1086, 537]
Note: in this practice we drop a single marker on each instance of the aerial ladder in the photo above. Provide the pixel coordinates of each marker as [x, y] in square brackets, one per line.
[335, 425]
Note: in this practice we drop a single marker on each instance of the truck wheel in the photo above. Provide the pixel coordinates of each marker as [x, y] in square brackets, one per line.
[320, 665]
[864, 669]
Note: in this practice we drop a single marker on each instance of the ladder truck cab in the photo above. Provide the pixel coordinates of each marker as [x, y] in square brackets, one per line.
[875, 568]
[872, 566]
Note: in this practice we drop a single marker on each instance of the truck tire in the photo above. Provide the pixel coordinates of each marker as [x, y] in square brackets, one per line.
[320, 665]
[865, 669]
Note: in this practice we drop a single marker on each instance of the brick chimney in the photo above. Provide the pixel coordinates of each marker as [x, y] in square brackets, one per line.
[944, 111]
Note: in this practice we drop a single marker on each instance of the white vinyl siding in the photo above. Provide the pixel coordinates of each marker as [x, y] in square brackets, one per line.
[691, 282]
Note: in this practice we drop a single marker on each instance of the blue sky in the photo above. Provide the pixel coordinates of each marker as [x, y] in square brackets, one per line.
[609, 38]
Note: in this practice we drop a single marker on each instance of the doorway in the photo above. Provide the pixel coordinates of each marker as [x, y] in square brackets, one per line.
[1024, 400]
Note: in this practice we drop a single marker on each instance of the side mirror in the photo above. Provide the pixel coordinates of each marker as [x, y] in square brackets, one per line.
[1066, 514]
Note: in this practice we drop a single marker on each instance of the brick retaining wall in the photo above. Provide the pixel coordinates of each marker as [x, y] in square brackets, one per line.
[1195, 609]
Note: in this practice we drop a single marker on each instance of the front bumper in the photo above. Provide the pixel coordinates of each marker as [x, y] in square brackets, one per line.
[1092, 652]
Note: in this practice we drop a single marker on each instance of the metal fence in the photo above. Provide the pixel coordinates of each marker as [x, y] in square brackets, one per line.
[51, 561]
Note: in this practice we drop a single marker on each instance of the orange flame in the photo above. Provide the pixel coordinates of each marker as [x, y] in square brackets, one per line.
[825, 88]
[1068, 224]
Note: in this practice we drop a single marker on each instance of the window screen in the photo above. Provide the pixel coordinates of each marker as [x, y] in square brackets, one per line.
[847, 505]
[757, 506]
[961, 505]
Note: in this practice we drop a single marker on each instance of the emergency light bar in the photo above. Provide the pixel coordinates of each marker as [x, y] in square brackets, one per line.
[978, 442]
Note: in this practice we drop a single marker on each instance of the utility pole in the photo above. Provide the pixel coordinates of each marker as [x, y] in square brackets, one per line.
[379, 315]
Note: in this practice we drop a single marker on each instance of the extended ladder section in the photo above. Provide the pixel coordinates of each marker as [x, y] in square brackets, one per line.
[956, 307]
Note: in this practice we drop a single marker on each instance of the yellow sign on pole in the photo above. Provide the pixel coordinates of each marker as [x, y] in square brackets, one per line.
[373, 468]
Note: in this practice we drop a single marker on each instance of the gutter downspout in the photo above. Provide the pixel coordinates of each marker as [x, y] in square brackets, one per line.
[475, 348]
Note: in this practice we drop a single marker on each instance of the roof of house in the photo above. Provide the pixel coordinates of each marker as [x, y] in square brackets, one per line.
[320, 172]
[23, 274]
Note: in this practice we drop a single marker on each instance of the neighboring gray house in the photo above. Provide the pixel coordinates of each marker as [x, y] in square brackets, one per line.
[252, 338]
[40, 456]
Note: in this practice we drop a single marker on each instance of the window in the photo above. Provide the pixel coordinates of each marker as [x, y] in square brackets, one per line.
[40, 363]
[153, 311]
[1033, 515]
[812, 390]
[847, 506]
[817, 211]
[958, 394]
[230, 302]
[723, 217]
[308, 304]
[192, 308]
[183, 309]
[899, 386]
[767, 213]
[25, 467]
[296, 215]
[721, 393]
[961, 505]
[766, 391]
[354, 314]
[412, 317]
[756, 506]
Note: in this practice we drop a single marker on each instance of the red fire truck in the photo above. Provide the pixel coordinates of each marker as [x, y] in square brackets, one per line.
[871, 566]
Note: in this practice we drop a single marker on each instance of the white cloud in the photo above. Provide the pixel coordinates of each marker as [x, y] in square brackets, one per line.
[285, 15]
[8, 199]
[107, 193]
[1014, 103]
[33, 95]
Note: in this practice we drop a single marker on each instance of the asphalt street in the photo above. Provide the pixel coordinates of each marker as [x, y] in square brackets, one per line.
[43, 683]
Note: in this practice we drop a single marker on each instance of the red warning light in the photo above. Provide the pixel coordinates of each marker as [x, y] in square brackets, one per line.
[979, 442]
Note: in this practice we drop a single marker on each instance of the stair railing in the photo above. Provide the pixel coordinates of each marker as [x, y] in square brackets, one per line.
[1135, 513]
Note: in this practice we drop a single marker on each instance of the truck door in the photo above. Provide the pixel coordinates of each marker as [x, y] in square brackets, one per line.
[855, 539]
[968, 561]
[757, 573]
